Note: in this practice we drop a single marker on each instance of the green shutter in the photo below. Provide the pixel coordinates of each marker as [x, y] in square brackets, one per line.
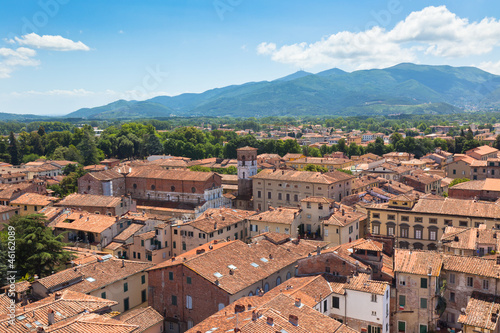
[423, 283]
[401, 326]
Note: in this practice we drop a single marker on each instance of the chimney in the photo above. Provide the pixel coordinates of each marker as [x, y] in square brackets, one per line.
[343, 212]
[231, 272]
[283, 172]
[215, 241]
[123, 263]
[200, 251]
[498, 260]
[298, 302]
[261, 292]
[51, 317]
[215, 226]
[249, 306]
[270, 256]
[239, 308]
[318, 250]
[270, 321]
[294, 320]
[57, 296]
[255, 316]
[40, 329]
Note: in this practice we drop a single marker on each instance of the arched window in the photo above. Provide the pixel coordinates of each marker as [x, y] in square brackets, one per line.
[134, 186]
[288, 275]
[278, 281]
[190, 323]
[193, 189]
[266, 287]
[250, 294]
[153, 187]
[189, 302]
[221, 306]
[172, 188]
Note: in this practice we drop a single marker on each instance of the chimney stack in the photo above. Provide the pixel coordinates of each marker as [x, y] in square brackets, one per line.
[294, 320]
[298, 302]
[123, 263]
[57, 295]
[50, 319]
[239, 308]
[255, 316]
[270, 321]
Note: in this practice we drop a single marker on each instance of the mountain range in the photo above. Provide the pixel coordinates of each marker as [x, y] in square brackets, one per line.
[404, 88]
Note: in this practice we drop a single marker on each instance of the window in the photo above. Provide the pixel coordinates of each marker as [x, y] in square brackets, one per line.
[401, 326]
[153, 187]
[451, 278]
[423, 303]
[402, 281]
[325, 305]
[448, 222]
[172, 188]
[221, 306]
[259, 194]
[184, 246]
[452, 297]
[374, 298]
[279, 196]
[134, 186]
[486, 284]
[188, 280]
[390, 230]
[433, 221]
[402, 301]
[142, 242]
[103, 295]
[171, 276]
[143, 296]
[418, 219]
[295, 197]
[335, 302]
[143, 279]
[193, 189]
[405, 218]
[418, 233]
[269, 195]
[432, 234]
[470, 281]
[391, 217]
[125, 287]
[287, 197]
[376, 215]
[423, 283]
[126, 304]
[376, 229]
[174, 244]
[174, 300]
[463, 223]
[189, 302]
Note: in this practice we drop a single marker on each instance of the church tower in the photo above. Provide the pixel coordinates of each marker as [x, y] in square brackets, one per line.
[247, 167]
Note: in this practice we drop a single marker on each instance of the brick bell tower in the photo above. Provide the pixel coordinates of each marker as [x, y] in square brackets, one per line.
[247, 167]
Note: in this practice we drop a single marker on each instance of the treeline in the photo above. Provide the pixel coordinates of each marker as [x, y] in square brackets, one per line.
[58, 140]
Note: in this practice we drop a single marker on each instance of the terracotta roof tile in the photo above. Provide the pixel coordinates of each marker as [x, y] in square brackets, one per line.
[89, 200]
[482, 311]
[33, 199]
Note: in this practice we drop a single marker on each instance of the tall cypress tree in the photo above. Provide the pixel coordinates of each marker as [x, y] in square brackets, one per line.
[13, 149]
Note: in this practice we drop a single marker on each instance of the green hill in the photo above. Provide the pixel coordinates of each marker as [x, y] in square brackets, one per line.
[404, 88]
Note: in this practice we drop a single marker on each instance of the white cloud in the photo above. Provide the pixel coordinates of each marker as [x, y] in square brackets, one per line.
[48, 42]
[10, 59]
[433, 31]
[490, 66]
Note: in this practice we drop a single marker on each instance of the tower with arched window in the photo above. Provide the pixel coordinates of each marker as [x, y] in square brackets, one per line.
[247, 167]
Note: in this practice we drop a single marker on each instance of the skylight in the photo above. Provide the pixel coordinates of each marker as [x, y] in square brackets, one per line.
[90, 279]
[254, 264]
[232, 267]
[218, 275]
[264, 260]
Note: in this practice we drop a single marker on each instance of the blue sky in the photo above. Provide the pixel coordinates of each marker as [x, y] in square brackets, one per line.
[57, 56]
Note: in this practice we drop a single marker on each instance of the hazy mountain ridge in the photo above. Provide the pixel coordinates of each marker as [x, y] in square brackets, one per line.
[397, 89]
